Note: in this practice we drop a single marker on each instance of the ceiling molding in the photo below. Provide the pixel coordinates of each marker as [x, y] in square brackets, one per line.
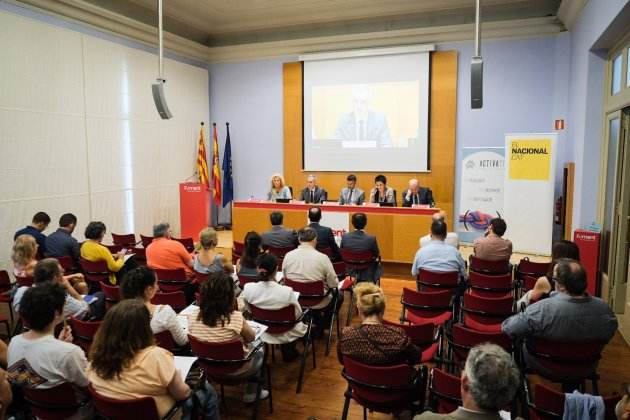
[569, 11]
[104, 20]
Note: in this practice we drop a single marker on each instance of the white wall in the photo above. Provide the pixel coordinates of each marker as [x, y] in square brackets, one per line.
[79, 132]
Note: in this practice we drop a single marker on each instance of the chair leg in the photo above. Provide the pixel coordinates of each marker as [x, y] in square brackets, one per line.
[346, 404]
[269, 389]
[330, 330]
[259, 382]
[314, 353]
[302, 366]
[350, 310]
[364, 413]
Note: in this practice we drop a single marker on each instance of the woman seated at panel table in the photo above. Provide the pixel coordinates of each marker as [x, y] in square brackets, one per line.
[381, 193]
[372, 342]
[278, 189]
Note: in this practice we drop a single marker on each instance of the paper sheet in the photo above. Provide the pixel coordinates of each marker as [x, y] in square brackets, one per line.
[183, 322]
[190, 309]
[258, 328]
[183, 365]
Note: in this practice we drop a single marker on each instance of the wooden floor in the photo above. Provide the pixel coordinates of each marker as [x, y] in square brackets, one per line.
[322, 394]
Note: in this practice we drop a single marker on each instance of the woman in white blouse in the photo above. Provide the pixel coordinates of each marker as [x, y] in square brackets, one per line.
[278, 189]
[141, 283]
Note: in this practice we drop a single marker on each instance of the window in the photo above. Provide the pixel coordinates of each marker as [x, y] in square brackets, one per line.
[616, 74]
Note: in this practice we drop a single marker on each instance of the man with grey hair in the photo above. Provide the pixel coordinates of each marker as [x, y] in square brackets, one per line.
[313, 193]
[166, 254]
[363, 124]
[416, 194]
[489, 382]
[451, 237]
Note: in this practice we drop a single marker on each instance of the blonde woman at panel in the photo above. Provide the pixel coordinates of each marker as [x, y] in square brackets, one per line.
[278, 189]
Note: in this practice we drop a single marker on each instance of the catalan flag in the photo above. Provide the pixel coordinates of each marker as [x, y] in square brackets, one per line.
[216, 169]
[202, 164]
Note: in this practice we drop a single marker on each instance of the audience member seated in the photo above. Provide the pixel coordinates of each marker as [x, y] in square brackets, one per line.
[39, 360]
[451, 237]
[351, 195]
[278, 189]
[306, 264]
[489, 382]
[416, 195]
[92, 250]
[216, 320]
[246, 265]
[570, 314]
[373, 343]
[360, 241]
[381, 193]
[6, 394]
[47, 271]
[437, 255]
[313, 193]
[325, 237]
[61, 243]
[492, 246]
[278, 236]
[267, 293]
[208, 260]
[126, 364]
[545, 285]
[141, 283]
[39, 224]
[167, 254]
[23, 255]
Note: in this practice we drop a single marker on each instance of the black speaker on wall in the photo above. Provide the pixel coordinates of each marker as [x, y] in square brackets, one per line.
[476, 82]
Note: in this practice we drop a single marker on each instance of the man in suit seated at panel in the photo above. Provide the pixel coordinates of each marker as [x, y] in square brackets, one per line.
[489, 382]
[351, 194]
[357, 241]
[438, 256]
[325, 236]
[451, 237]
[278, 236]
[313, 193]
[416, 195]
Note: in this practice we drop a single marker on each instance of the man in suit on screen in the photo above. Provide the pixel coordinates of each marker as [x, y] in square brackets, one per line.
[363, 123]
[417, 195]
[313, 193]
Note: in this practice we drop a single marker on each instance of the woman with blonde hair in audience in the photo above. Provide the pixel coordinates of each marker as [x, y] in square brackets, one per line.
[246, 265]
[545, 284]
[141, 283]
[208, 260]
[372, 342]
[216, 320]
[278, 189]
[126, 364]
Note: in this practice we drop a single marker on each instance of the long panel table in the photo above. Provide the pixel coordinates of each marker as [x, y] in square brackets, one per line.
[398, 229]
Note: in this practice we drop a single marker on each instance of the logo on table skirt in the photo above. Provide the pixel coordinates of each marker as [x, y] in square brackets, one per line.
[192, 188]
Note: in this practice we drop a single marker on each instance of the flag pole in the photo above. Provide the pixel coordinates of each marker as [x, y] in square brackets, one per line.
[227, 124]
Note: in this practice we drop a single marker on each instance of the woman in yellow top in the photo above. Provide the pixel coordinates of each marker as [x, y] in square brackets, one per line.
[92, 250]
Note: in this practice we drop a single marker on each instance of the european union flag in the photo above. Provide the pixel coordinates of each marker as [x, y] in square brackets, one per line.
[228, 188]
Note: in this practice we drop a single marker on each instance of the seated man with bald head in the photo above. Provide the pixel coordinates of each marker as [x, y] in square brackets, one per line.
[489, 382]
[451, 237]
[313, 193]
[416, 195]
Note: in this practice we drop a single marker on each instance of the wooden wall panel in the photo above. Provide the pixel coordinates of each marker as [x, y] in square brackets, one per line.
[443, 114]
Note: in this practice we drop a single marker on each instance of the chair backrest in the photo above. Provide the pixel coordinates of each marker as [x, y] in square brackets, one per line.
[126, 240]
[238, 247]
[177, 300]
[565, 360]
[84, 332]
[421, 335]
[66, 262]
[357, 260]
[526, 267]
[5, 281]
[548, 404]
[489, 267]
[445, 391]
[278, 321]
[111, 292]
[137, 408]
[146, 240]
[57, 403]
[462, 339]
[327, 251]
[95, 271]
[24, 281]
[187, 242]
[490, 285]
[280, 252]
[340, 268]
[311, 293]
[243, 279]
[171, 280]
[426, 304]
[434, 281]
[381, 388]
[485, 313]
[113, 248]
[140, 254]
[165, 340]
[219, 358]
[528, 282]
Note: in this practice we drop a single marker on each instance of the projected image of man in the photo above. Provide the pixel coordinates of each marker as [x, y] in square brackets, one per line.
[363, 123]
